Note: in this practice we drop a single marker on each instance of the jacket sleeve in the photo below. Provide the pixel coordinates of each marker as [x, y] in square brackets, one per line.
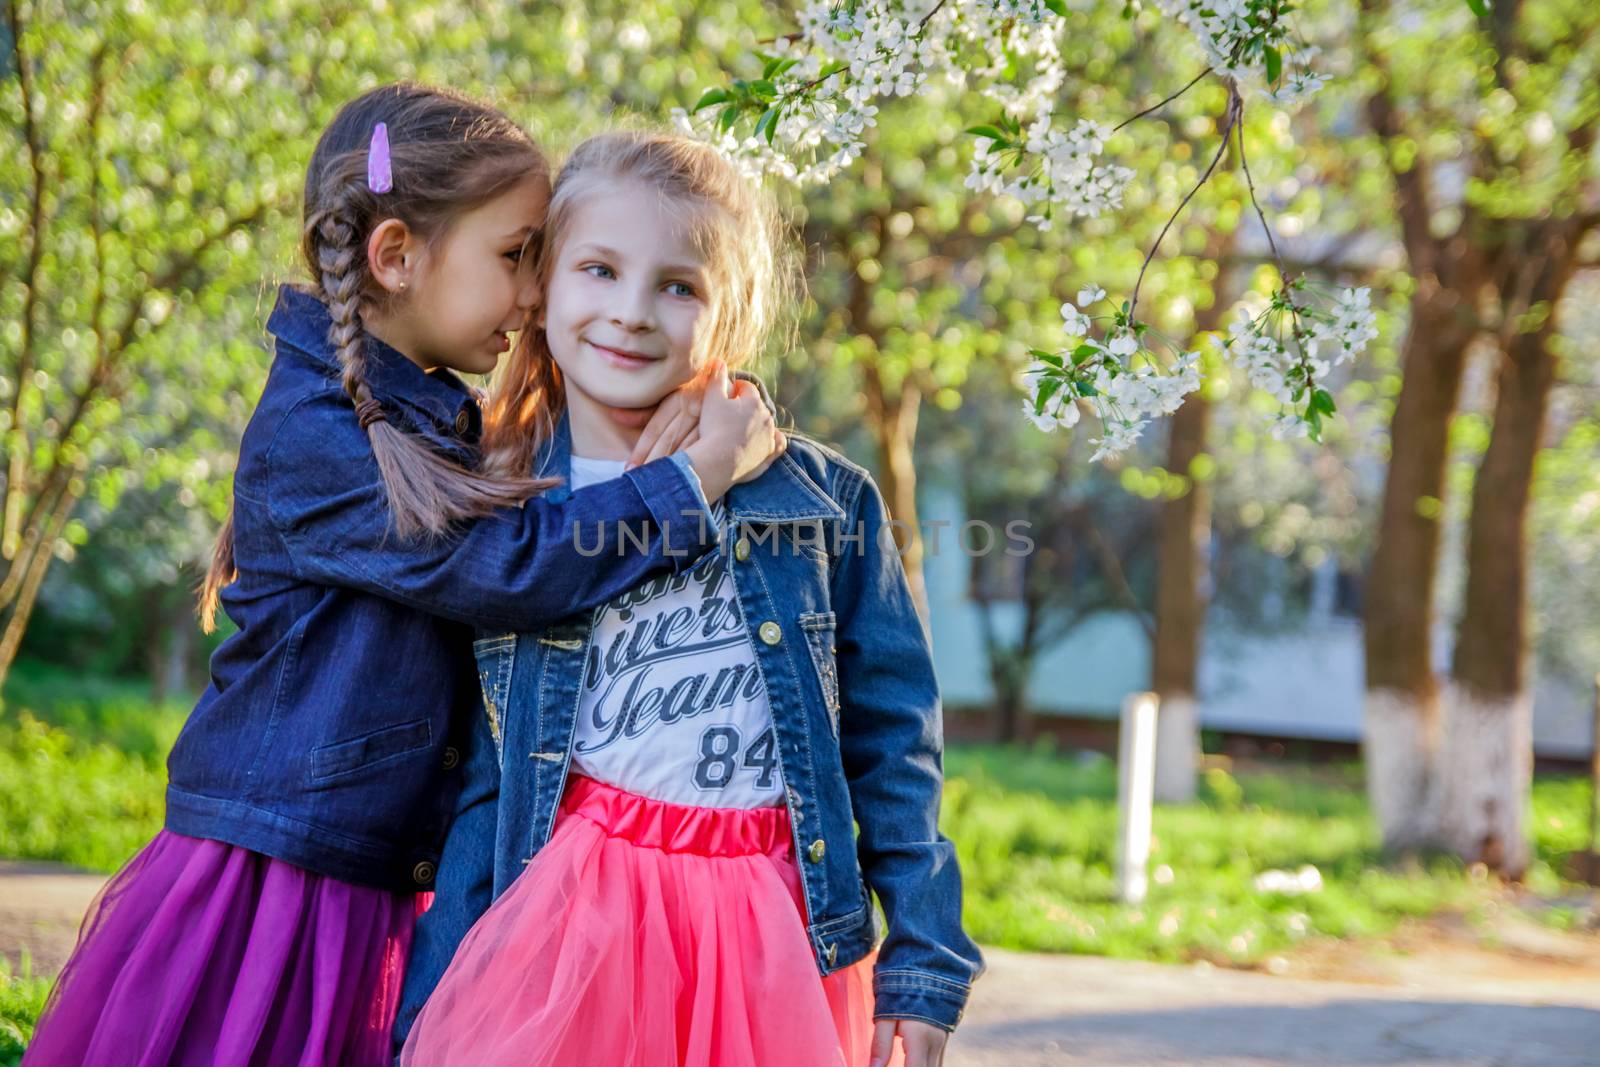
[891, 742]
[517, 569]
[464, 888]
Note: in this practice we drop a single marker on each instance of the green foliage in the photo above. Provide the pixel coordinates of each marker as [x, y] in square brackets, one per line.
[79, 800]
[1034, 830]
[22, 997]
[1036, 834]
[94, 710]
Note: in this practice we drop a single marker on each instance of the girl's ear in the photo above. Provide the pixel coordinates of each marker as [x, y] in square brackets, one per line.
[392, 255]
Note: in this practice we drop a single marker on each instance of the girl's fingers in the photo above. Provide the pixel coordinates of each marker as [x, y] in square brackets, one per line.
[924, 1044]
[674, 436]
[717, 380]
[780, 445]
[667, 411]
[882, 1041]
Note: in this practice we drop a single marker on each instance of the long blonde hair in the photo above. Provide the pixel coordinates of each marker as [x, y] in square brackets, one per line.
[733, 225]
[449, 154]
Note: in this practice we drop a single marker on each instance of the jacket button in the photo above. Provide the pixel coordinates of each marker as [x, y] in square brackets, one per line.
[422, 873]
[741, 549]
[463, 420]
[771, 632]
[818, 849]
[451, 758]
[833, 954]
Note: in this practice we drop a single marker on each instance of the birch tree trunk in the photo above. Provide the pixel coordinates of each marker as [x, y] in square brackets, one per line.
[1485, 768]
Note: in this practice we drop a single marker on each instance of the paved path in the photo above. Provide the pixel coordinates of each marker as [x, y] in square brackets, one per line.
[41, 905]
[1082, 1011]
[1030, 1011]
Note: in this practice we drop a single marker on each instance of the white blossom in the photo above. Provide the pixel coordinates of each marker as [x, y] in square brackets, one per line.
[818, 99]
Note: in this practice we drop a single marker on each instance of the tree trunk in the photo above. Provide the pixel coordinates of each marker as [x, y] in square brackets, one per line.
[171, 642]
[1009, 669]
[36, 567]
[1011, 719]
[1181, 568]
[1485, 768]
[895, 426]
[1400, 724]
[1185, 537]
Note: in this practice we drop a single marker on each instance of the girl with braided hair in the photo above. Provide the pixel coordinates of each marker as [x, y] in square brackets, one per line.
[310, 790]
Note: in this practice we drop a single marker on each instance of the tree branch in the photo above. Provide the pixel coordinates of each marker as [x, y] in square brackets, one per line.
[97, 98]
[1412, 184]
[1502, 21]
[17, 469]
[1111, 567]
[1162, 104]
[117, 342]
[33, 537]
[1235, 109]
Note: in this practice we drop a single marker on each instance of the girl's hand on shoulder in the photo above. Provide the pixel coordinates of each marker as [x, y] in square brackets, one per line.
[923, 1043]
[674, 426]
[738, 438]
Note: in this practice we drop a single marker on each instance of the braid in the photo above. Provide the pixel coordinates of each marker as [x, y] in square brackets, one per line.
[340, 267]
[449, 154]
[427, 493]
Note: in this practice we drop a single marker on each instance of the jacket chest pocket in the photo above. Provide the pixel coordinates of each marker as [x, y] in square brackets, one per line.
[495, 655]
[820, 628]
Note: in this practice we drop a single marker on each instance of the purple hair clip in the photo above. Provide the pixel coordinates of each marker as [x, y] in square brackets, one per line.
[380, 175]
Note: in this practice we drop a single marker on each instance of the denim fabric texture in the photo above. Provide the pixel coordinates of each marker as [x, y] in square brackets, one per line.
[848, 672]
[332, 732]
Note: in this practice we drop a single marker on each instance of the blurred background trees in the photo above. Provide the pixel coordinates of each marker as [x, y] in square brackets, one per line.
[150, 203]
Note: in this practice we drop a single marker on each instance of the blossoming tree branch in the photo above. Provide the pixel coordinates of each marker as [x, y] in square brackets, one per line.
[806, 117]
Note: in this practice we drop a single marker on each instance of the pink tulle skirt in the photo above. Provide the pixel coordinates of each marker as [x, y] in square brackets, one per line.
[648, 934]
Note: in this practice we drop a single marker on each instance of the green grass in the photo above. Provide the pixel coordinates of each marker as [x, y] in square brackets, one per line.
[82, 767]
[82, 777]
[84, 803]
[1036, 832]
[22, 996]
[113, 711]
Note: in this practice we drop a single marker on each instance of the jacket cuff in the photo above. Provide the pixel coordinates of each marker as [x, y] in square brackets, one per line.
[914, 995]
[671, 490]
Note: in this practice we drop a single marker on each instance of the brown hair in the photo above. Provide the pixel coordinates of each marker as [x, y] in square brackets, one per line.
[449, 154]
[735, 228]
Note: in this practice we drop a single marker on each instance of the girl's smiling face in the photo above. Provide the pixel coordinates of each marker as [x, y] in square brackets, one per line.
[468, 290]
[625, 301]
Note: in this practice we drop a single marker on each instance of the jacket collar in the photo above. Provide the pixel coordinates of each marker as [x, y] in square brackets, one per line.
[784, 493]
[440, 398]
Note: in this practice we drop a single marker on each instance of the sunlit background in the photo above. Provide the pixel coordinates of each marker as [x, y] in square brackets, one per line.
[1264, 589]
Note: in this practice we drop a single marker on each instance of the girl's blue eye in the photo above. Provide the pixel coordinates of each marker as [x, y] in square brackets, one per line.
[600, 270]
[680, 289]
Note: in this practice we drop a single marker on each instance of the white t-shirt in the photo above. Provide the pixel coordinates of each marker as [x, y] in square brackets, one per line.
[672, 704]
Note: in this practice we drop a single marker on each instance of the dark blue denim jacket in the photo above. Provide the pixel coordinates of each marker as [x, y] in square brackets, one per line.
[849, 675]
[331, 733]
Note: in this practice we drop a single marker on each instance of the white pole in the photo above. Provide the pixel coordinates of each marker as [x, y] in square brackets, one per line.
[1136, 775]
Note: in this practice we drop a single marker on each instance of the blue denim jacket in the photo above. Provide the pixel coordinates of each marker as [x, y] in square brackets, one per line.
[331, 732]
[849, 676]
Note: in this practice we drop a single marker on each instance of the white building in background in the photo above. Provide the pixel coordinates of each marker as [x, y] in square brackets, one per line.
[1300, 683]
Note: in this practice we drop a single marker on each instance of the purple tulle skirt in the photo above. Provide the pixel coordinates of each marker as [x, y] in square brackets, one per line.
[199, 952]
